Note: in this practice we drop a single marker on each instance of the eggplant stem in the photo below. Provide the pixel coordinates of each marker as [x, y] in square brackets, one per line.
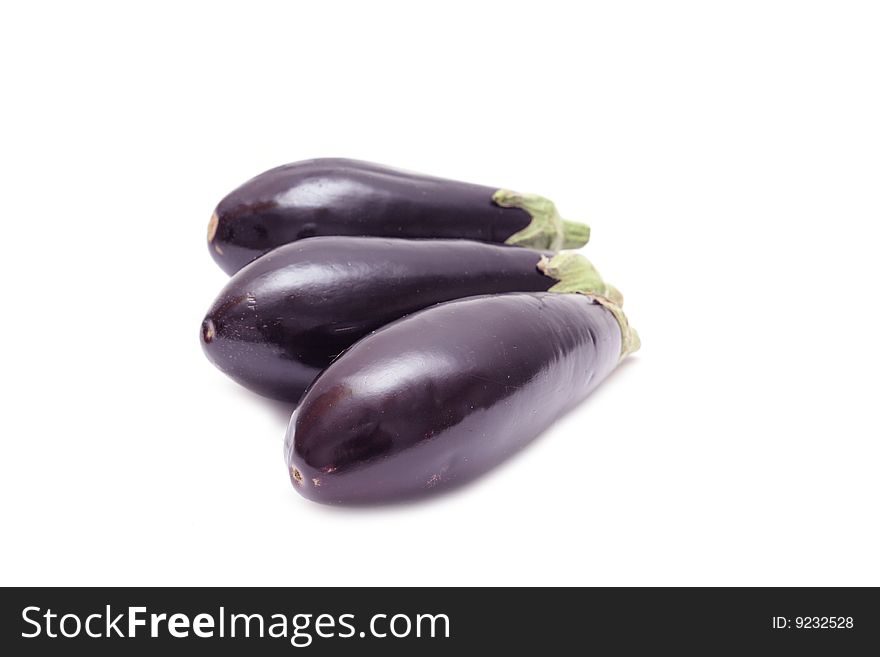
[574, 234]
[546, 230]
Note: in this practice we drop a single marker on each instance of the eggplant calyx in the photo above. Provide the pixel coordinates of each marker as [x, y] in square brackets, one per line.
[576, 274]
[629, 337]
[546, 230]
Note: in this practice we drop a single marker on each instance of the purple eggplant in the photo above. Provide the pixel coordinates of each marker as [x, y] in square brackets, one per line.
[334, 196]
[437, 398]
[284, 317]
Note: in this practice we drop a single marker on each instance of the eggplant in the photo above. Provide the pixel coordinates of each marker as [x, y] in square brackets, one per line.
[284, 317]
[334, 196]
[439, 397]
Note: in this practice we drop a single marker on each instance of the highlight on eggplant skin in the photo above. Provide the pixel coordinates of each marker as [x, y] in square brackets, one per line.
[441, 396]
[335, 196]
[282, 319]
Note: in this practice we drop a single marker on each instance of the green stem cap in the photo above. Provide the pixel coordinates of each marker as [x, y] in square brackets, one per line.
[575, 274]
[546, 230]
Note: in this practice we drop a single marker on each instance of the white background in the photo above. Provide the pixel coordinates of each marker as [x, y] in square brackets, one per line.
[727, 156]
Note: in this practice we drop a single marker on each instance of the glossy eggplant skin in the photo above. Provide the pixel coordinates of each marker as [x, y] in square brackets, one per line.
[286, 316]
[334, 196]
[441, 396]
